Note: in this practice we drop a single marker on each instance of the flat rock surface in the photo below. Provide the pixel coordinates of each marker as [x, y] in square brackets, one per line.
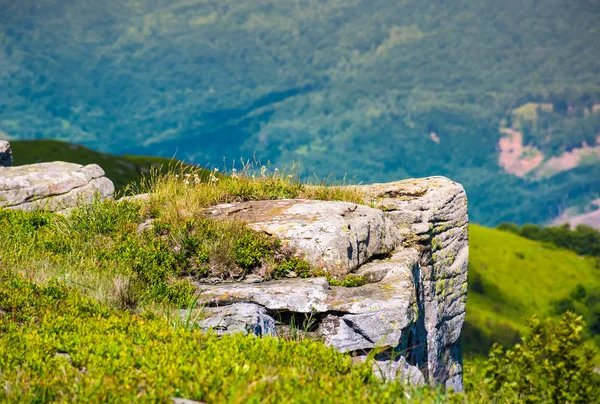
[336, 236]
[54, 186]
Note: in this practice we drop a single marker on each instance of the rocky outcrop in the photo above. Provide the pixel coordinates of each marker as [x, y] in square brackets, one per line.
[5, 154]
[411, 244]
[431, 215]
[54, 186]
[338, 236]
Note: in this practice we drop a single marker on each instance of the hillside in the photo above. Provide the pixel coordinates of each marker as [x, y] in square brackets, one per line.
[512, 278]
[502, 97]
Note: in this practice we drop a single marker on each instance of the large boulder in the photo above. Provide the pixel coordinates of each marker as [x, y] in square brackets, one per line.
[336, 236]
[5, 154]
[412, 247]
[53, 186]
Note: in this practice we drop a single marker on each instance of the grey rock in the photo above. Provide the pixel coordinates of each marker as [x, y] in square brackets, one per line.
[5, 154]
[53, 186]
[246, 318]
[394, 366]
[413, 307]
[431, 214]
[380, 314]
[252, 278]
[145, 225]
[179, 400]
[294, 295]
[336, 236]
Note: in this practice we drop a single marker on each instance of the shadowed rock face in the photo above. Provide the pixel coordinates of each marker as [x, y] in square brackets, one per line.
[413, 249]
[53, 186]
[5, 154]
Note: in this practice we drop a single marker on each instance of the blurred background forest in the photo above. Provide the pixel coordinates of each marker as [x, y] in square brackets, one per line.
[503, 97]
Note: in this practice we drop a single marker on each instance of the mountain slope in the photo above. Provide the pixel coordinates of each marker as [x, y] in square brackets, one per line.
[512, 278]
[382, 90]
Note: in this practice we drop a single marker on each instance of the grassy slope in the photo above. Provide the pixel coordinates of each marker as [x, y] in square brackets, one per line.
[520, 278]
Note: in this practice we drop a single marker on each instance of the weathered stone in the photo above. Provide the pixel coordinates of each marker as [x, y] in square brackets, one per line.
[431, 214]
[413, 251]
[5, 154]
[337, 236]
[246, 318]
[179, 400]
[253, 278]
[381, 315]
[53, 186]
[294, 295]
[394, 366]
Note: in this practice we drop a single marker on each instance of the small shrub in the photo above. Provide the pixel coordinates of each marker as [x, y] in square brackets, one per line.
[292, 264]
[102, 217]
[579, 293]
[562, 306]
[552, 364]
[179, 292]
[251, 248]
[351, 281]
[510, 227]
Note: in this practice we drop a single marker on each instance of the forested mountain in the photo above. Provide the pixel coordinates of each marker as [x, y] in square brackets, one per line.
[501, 96]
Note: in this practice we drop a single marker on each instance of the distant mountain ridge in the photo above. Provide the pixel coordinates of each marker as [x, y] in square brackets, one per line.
[381, 91]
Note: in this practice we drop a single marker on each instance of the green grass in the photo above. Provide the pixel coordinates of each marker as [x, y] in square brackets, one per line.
[57, 346]
[512, 278]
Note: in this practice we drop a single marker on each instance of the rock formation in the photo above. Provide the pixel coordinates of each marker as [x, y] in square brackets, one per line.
[5, 154]
[54, 186]
[412, 246]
